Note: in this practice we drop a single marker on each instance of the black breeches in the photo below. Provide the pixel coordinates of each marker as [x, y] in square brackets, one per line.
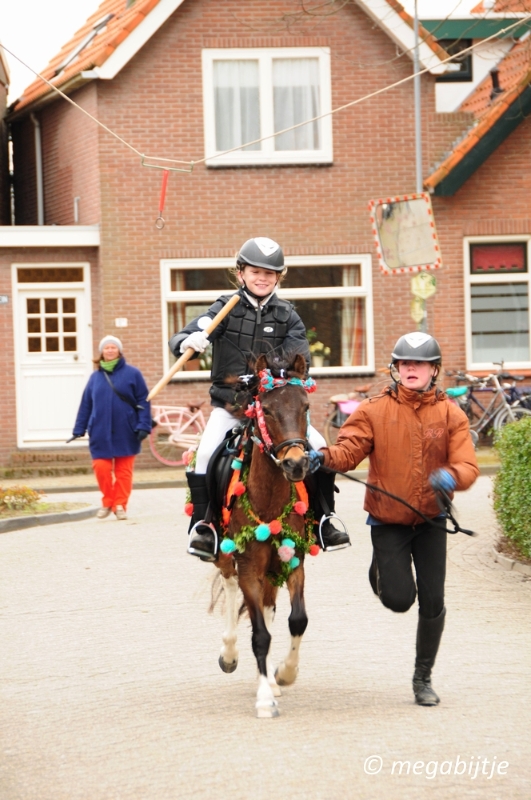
[395, 548]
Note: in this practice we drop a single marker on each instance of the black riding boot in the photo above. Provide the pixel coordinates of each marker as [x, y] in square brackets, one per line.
[323, 503]
[429, 632]
[202, 541]
[374, 576]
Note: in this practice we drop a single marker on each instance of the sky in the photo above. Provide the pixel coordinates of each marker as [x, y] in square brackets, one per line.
[37, 29]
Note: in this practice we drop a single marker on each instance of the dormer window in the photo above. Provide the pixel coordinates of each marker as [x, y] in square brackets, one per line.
[463, 61]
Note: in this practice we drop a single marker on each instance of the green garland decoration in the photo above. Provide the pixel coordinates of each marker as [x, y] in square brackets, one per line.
[246, 533]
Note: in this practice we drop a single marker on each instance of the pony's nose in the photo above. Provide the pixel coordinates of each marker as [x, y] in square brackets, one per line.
[296, 467]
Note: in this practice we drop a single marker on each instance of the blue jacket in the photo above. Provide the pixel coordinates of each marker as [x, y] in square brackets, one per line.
[110, 421]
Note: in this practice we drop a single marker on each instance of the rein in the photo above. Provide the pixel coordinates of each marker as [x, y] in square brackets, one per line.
[443, 501]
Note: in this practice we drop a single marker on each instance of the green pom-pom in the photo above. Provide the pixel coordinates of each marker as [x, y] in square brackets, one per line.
[236, 463]
[294, 562]
[288, 543]
[227, 546]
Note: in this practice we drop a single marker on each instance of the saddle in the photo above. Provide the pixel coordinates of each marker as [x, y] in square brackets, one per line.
[220, 471]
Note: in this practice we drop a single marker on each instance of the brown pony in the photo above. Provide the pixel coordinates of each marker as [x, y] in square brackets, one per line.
[278, 460]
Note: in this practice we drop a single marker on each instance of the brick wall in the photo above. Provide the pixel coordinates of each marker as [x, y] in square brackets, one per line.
[156, 104]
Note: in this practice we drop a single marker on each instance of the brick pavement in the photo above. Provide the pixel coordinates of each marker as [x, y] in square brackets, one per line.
[111, 688]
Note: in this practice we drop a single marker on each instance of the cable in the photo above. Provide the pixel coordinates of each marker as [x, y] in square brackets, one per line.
[190, 164]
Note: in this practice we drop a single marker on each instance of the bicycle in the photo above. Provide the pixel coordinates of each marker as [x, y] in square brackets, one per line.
[503, 407]
[342, 407]
[177, 431]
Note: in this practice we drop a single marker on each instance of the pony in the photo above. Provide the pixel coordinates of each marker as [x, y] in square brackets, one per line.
[267, 526]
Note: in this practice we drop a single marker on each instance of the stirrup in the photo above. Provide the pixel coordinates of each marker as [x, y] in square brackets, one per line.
[203, 554]
[330, 548]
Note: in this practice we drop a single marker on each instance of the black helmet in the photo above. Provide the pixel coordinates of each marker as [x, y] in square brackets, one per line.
[417, 346]
[261, 252]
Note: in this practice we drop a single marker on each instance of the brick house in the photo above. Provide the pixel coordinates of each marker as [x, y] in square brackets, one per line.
[191, 79]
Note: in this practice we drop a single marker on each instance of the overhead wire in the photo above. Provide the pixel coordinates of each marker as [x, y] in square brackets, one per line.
[145, 159]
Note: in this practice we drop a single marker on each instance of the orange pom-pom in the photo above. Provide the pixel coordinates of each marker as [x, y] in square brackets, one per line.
[275, 526]
[300, 508]
[239, 488]
[314, 550]
[189, 509]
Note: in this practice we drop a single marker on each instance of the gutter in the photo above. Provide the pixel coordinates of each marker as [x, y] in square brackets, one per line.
[38, 169]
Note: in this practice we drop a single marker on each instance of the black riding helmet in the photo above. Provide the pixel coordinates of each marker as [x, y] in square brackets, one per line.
[417, 346]
[261, 252]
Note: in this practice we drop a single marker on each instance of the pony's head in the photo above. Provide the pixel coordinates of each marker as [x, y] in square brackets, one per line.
[278, 402]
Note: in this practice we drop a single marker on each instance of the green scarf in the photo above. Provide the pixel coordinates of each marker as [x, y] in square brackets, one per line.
[108, 366]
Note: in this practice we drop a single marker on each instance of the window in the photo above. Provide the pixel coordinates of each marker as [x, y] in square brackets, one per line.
[498, 303]
[332, 295]
[463, 61]
[253, 93]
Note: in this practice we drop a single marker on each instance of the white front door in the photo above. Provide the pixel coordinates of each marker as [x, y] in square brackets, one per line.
[54, 350]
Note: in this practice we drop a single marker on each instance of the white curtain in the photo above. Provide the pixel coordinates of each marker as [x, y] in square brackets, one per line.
[296, 98]
[237, 104]
[353, 338]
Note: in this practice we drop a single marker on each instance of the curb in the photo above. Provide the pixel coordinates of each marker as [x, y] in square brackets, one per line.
[510, 565]
[19, 523]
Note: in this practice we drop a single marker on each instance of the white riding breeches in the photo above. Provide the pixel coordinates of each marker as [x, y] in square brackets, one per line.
[221, 421]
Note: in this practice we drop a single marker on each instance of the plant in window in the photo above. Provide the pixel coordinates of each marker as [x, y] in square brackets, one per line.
[205, 359]
[317, 348]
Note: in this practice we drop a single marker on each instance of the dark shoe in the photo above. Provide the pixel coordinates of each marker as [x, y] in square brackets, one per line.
[203, 541]
[422, 689]
[429, 632]
[333, 538]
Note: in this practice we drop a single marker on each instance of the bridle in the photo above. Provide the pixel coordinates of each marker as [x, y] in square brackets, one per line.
[255, 411]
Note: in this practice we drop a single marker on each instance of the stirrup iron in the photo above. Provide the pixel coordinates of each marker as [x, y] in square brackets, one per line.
[331, 548]
[203, 555]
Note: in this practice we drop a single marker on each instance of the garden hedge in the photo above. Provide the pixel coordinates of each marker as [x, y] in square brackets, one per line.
[512, 484]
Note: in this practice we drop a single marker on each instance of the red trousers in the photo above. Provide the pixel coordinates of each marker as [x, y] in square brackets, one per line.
[115, 489]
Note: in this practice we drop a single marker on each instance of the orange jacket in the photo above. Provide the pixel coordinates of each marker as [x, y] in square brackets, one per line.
[406, 435]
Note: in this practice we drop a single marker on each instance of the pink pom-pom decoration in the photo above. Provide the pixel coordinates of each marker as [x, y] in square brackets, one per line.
[239, 489]
[300, 508]
[286, 553]
[275, 527]
[189, 509]
[250, 411]
[314, 550]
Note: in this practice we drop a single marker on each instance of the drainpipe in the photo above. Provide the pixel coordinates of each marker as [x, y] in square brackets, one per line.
[38, 169]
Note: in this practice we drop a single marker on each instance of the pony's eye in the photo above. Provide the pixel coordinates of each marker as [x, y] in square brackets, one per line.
[266, 411]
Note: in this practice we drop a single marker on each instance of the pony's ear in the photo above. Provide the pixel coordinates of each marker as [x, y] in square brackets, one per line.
[299, 365]
[261, 363]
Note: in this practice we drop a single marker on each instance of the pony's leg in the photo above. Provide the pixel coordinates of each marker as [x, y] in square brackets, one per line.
[266, 705]
[228, 657]
[269, 616]
[287, 671]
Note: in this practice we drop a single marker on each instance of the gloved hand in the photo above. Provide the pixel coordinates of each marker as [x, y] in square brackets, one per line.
[441, 480]
[198, 341]
[316, 460]
[141, 435]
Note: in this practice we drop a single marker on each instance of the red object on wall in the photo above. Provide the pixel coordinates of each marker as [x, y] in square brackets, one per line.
[503, 257]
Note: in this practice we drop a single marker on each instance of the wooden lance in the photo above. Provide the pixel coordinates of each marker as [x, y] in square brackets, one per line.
[190, 351]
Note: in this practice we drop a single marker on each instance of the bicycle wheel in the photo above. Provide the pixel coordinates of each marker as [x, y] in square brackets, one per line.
[333, 423]
[176, 432]
[503, 417]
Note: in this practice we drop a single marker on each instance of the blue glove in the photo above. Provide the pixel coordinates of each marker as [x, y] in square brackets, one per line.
[141, 435]
[441, 480]
[316, 460]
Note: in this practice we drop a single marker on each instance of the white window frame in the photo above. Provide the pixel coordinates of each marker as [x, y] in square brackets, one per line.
[267, 155]
[470, 280]
[208, 297]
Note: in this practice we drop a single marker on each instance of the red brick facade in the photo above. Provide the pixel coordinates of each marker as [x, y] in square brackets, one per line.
[155, 103]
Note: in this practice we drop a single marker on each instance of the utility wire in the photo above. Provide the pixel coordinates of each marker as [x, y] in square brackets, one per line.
[190, 164]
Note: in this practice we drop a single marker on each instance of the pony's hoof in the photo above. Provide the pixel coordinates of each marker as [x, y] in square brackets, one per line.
[267, 710]
[227, 667]
[288, 679]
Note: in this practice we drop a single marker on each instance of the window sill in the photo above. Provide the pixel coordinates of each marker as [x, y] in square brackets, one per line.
[307, 160]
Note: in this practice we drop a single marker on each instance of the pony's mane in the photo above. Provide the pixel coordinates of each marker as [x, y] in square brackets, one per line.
[280, 364]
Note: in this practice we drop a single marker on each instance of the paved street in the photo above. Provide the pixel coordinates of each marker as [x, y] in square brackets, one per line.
[111, 688]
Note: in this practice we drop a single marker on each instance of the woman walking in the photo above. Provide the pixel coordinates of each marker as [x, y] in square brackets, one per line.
[115, 412]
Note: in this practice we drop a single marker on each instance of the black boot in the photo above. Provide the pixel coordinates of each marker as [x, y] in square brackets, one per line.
[323, 504]
[203, 539]
[374, 576]
[429, 632]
